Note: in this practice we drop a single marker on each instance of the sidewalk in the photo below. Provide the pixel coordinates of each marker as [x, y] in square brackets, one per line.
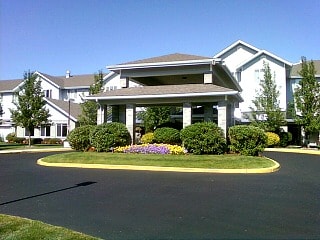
[26, 150]
[294, 150]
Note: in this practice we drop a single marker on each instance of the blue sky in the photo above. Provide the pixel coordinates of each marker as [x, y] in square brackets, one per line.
[83, 36]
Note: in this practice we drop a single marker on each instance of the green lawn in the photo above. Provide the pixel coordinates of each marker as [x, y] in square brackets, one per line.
[12, 228]
[186, 161]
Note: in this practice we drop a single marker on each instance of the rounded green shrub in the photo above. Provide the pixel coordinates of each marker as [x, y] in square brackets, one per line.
[79, 138]
[147, 138]
[203, 138]
[11, 137]
[285, 138]
[109, 135]
[167, 135]
[247, 140]
[273, 139]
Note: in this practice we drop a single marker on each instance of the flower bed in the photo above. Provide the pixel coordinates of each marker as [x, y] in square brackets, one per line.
[152, 149]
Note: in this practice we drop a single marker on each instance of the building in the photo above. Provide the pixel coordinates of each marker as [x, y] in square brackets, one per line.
[219, 88]
[62, 95]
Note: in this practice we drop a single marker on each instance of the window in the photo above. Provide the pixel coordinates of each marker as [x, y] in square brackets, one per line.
[258, 75]
[47, 93]
[26, 132]
[62, 129]
[45, 130]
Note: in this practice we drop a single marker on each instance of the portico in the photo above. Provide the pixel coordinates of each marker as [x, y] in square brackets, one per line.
[177, 79]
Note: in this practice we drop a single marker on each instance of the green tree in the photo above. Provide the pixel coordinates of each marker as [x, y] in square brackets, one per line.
[307, 98]
[89, 108]
[266, 112]
[1, 113]
[155, 116]
[30, 109]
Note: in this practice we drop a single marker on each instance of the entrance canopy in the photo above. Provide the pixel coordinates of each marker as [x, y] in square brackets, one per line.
[177, 79]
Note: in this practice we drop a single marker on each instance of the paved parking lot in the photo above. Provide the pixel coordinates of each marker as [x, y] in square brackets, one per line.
[116, 204]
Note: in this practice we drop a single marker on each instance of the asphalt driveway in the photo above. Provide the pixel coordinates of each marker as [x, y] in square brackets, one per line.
[116, 204]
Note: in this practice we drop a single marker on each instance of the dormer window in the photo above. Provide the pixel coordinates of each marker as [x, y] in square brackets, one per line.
[47, 93]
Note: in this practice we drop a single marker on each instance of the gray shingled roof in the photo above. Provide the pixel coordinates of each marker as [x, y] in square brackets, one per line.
[297, 67]
[72, 81]
[75, 109]
[168, 58]
[9, 85]
[165, 89]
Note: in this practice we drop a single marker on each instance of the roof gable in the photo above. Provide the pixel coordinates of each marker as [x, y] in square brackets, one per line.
[236, 45]
[261, 53]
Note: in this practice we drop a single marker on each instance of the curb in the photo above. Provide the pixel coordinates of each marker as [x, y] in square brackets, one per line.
[272, 169]
[292, 150]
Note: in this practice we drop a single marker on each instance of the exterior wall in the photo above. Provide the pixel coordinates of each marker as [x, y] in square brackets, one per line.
[76, 94]
[250, 81]
[114, 82]
[7, 103]
[56, 118]
[48, 86]
[235, 57]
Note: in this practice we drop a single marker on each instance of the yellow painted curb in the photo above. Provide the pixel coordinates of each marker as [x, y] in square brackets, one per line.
[292, 150]
[275, 168]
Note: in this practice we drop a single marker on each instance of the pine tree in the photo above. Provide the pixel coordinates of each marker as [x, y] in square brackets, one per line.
[89, 108]
[307, 98]
[266, 112]
[30, 109]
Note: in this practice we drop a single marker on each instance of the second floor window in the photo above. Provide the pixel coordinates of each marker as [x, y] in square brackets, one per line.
[47, 93]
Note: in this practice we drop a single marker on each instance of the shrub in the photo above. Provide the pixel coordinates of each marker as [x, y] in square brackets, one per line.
[247, 140]
[105, 136]
[273, 139]
[285, 138]
[33, 140]
[79, 138]
[52, 141]
[10, 137]
[167, 135]
[147, 138]
[19, 140]
[203, 138]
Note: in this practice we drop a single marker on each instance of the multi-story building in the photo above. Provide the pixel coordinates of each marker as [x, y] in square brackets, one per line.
[201, 85]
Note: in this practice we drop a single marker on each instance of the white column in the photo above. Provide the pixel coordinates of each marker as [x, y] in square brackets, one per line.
[101, 114]
[131, 120]
[187, 114]
[222, 116]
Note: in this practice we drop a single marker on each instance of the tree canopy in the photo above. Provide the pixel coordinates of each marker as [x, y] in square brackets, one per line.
[30, 109]
[155, 116]
[266, 112]
[307, 98]
[89, 108]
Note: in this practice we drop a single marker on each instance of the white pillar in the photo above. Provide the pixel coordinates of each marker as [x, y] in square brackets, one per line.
[101, 114]
[222, 116]
[187, 114]
[131, 120]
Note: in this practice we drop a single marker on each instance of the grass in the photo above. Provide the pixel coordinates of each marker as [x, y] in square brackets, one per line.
[12, 227]
[16, 146]
[186, 161]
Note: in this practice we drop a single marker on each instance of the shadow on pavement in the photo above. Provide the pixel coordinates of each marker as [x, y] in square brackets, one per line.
[83, 184]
